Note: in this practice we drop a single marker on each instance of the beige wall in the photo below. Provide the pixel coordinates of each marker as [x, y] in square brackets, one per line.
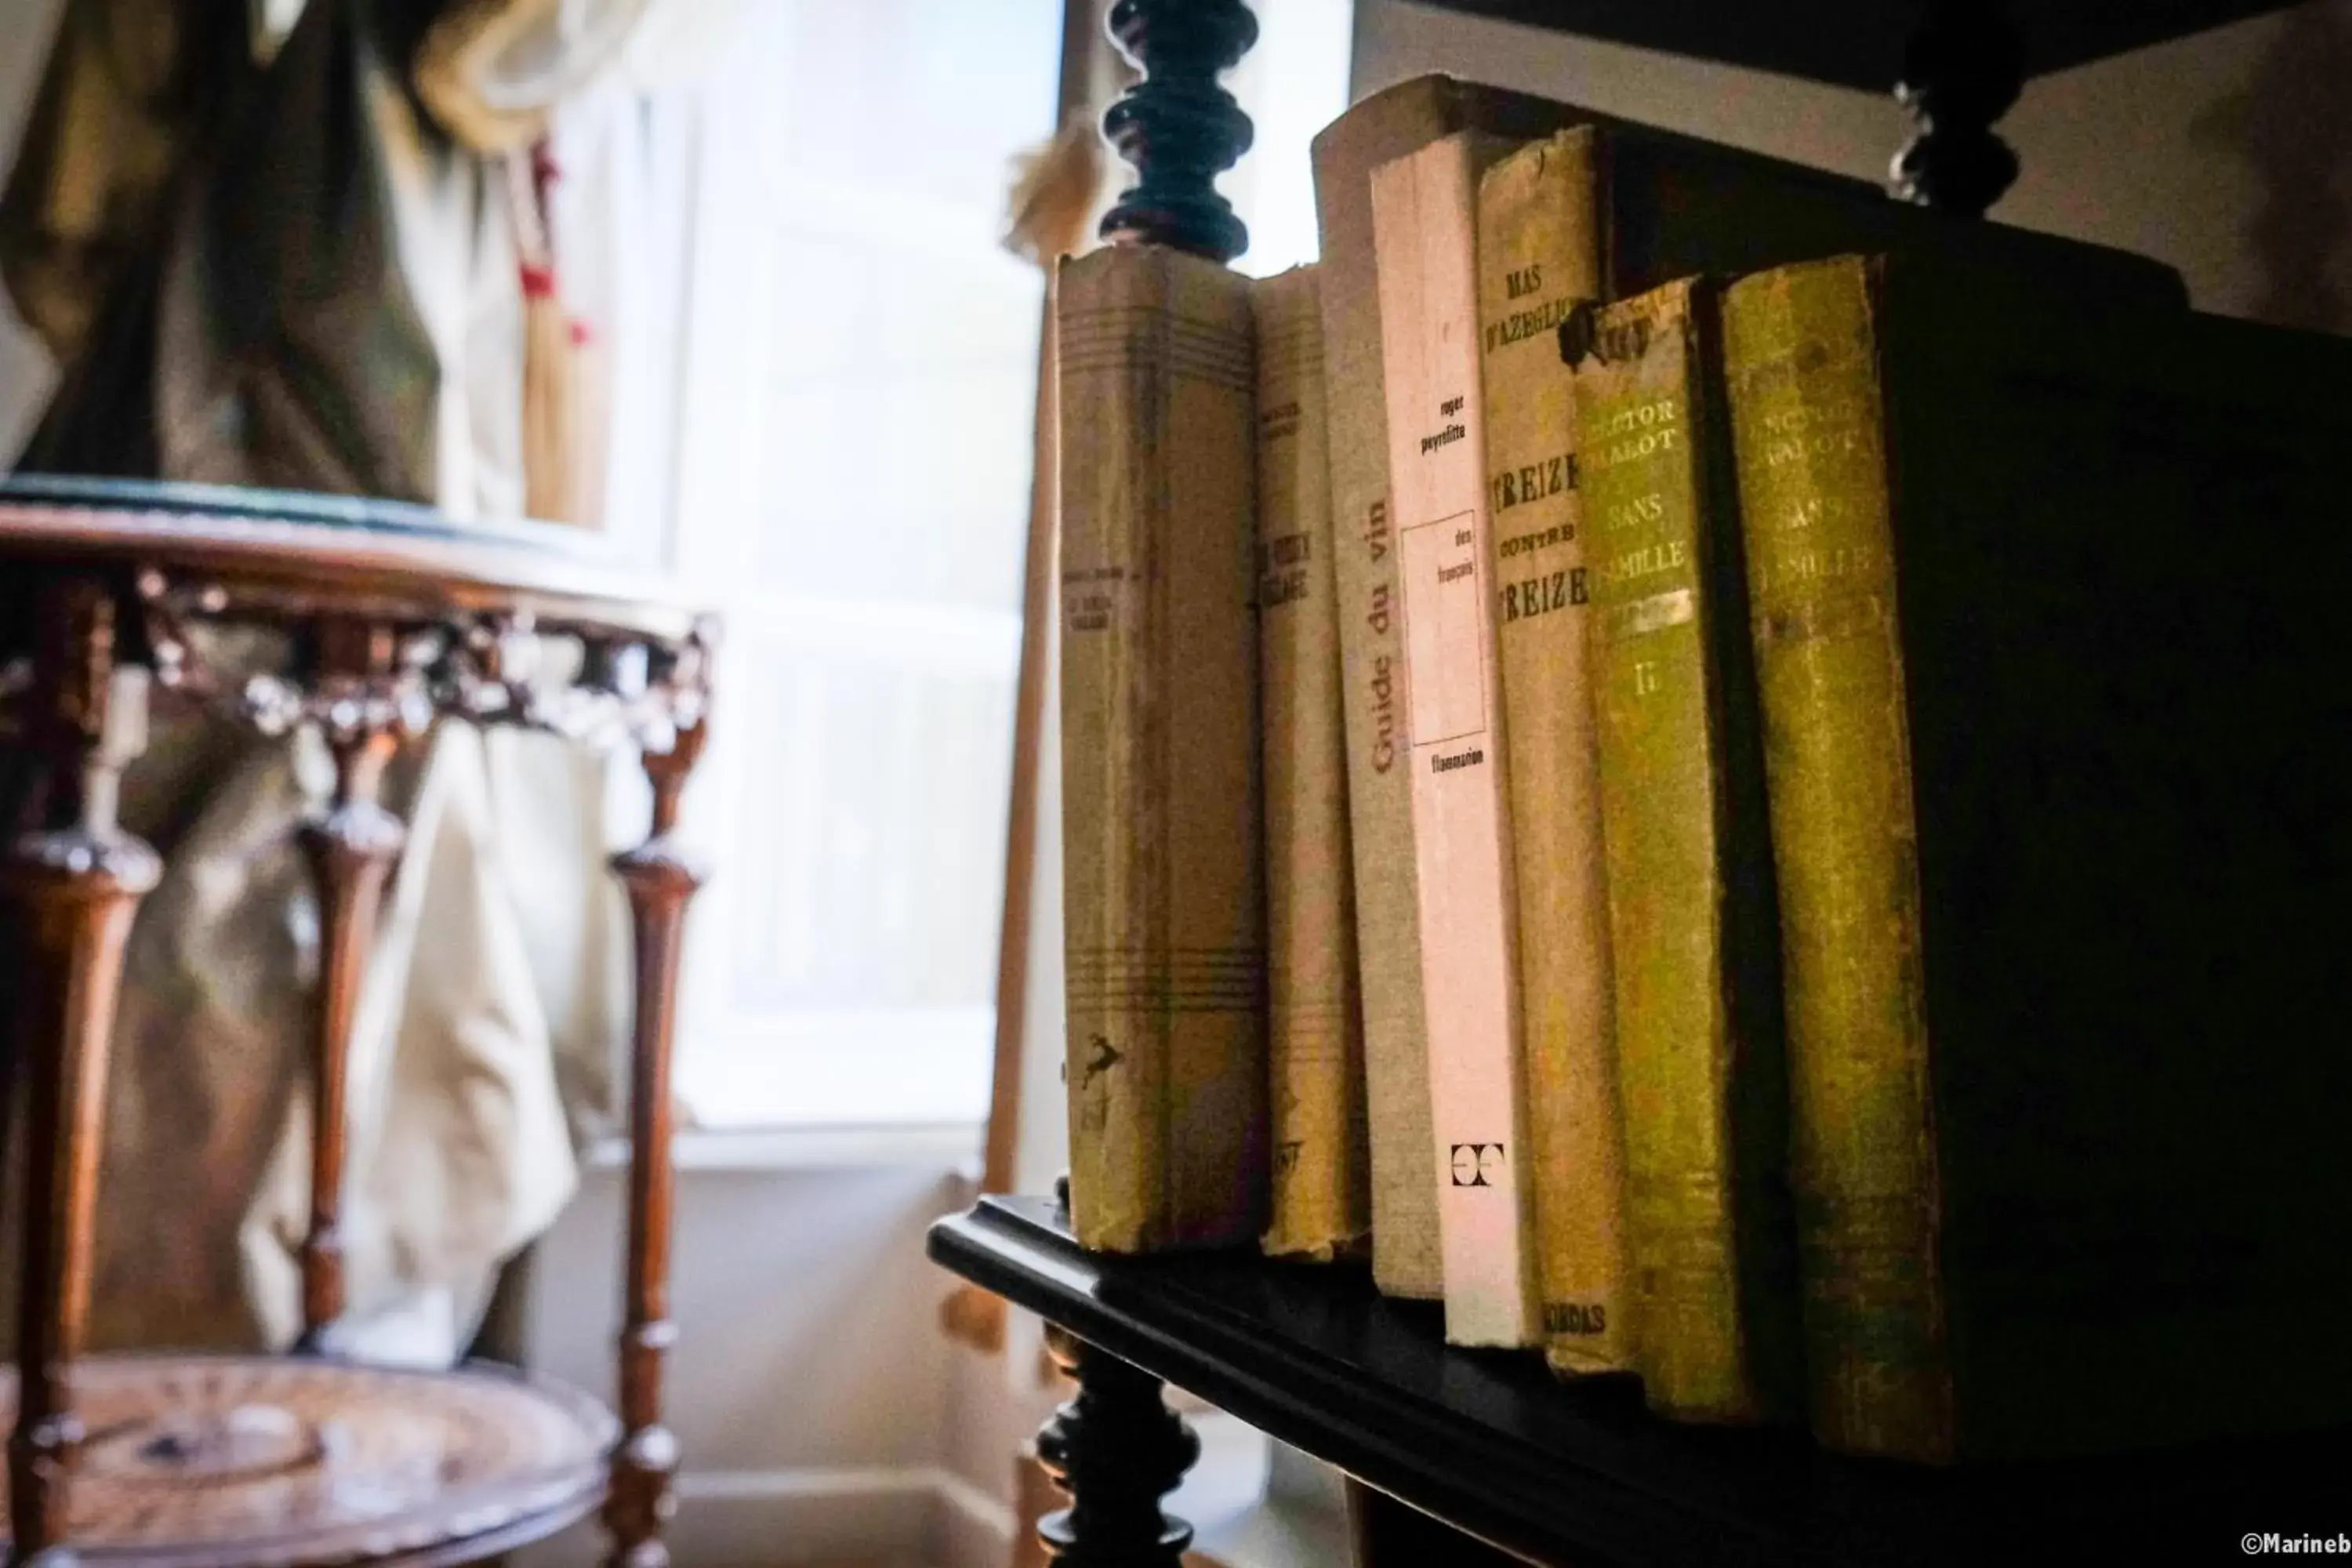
[810, 1382]
[2224, 153]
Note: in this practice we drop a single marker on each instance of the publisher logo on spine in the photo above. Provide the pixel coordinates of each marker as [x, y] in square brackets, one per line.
[1477, 1164]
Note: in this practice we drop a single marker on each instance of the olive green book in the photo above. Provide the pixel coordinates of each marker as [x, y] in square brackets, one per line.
[1322, 1186]
[1691, 914]
[2046, 606]
[1663, 205]
[1537, 262]
[1164, 942]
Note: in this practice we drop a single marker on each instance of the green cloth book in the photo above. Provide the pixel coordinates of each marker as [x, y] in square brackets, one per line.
[2046, 606]
[1661, 206]
[1691, 915]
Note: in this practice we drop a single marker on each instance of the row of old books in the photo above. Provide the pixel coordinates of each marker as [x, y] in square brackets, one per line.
[1743, 783]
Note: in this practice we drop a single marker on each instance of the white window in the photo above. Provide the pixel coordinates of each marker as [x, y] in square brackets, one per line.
[852, 478]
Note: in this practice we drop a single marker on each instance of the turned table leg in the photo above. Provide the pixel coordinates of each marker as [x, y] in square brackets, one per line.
[658, 877]
[73, 880]
[350, 851]
[1117, 1449]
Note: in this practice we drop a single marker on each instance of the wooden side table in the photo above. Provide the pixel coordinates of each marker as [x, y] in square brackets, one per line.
[390, 617]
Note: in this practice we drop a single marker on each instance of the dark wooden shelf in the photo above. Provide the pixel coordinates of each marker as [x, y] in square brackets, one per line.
[1859, 43]
[1494, 1444]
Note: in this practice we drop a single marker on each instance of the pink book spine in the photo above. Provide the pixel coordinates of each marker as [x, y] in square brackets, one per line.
[1424, 208]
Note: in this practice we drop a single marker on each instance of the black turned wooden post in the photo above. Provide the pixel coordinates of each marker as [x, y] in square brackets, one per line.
[1176, 127]
[72, 882]
[1963, 69]
[1117, 1449]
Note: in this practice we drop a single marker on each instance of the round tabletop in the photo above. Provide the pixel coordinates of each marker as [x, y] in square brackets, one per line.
[288, 548]
[198, 1461]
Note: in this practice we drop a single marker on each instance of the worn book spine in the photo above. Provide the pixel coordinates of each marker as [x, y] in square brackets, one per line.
[1404, 1177]
[1322, 1186]
[1799, 357]
[1423, 211]
[1537, 260]
[1164, 940]
[1697, 1026]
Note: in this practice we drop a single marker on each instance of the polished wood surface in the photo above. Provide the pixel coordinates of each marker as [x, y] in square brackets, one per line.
[205, 1461]
[659, 877]
[386, 619]
[285, 552]
[1500, 1449]
[73, 879]
[350, 852]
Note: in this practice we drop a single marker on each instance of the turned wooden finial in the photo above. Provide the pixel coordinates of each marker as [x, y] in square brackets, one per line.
[1963, 69]
[1176, 127]
[1117, 1449]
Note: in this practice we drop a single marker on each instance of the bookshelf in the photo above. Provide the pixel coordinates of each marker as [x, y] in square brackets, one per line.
[1461, 1454]
[1492, 1446]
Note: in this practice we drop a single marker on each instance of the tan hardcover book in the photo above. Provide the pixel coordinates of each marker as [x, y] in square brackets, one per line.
[1322, 1180]
[1537, 260]
[1165, 937]
[1422, 216]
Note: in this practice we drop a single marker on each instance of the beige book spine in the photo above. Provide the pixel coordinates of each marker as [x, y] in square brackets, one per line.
[1380, 807]
[1538, 257]
[1322, 1187]
[1422, 232]
[1164, 944]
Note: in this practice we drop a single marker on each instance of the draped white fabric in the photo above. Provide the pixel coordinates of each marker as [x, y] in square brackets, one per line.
[497, 995]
